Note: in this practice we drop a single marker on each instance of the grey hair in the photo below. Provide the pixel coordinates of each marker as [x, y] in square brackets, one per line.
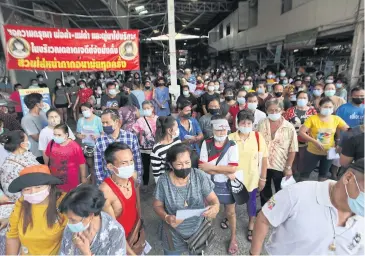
[147, 102]
[277, 102]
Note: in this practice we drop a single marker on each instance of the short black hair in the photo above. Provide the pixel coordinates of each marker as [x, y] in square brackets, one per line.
[183, 104]
[63, 128]
[251, 95]
[31, 100]
[176, 149]
[245, 114]
[214, 99]
[12, 140]
[325, 100]
[17, 85]
[81, 81]
[113, 113]
[114, 147]
[275, 85]
[185, 86]
[356, 89]
[39, 75]
[83, 200]
[218, 117]
[50, 111]
[111, 83]
[300, 92]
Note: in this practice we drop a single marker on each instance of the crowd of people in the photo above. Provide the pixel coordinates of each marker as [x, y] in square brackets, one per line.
[78, 191]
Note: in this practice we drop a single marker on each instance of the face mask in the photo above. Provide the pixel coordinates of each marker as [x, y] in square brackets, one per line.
[59, 84]
[242, 78]
[252, 106]
[177, 134]
[82, 86]
[285, 82]
[326, 111]
[260, 91]
[29, 146]
[356, 205]
[40, 79]
[221, 100]
[282, 74]
[357, 101]
[147, 86]
[72, 84]
[112, 92]
[34, 84]
[246, 87]
[86, 113]
[274, 117]
[78, 227]
[241, 100]
[229, 98]
[213, 111]
[59, 140]
[269, 76]
[99, 92]
[317, 93]
[108, 129]
[147, 112]
[125, 172]
[220, 138]
[210, 88]
[186, 93]
[278, 94]
[300, 89]
[245, 130]
[231, 80]
[302, 102]
[101, 76]
[1, 130]
[338, 86]
[182, 173]
[216, 87]
[36, 198]
[329, 93]
[206, 77]
[329, 81]
[186, 116]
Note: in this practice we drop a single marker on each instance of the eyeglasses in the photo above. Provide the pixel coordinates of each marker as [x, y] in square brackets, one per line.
[274, 111]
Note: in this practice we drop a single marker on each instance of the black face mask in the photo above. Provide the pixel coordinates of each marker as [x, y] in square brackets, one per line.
[213, 111]
[182, 173]
[229, 98]
[278, 94]
[357, 101]
[186, 116]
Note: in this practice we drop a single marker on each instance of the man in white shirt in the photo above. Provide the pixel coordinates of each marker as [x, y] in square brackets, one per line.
[320, 218]
[252, 103]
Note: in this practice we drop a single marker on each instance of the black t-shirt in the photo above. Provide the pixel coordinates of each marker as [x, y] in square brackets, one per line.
[108, 102]
[206, 98]
[182, 98]
[354, 147]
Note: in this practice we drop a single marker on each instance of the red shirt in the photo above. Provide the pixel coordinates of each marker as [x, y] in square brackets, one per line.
[233, 110]
[15, 96]
[64, 163]
[84, 95]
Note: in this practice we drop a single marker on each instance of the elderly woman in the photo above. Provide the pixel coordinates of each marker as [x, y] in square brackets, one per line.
[252, 152]
[219, 158]
[282, 142]
[89, 230]
[181, 188]
[145, 129]
[36, 226]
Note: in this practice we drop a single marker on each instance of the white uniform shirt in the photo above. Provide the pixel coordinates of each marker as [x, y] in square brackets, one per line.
[301, 216]
[46, 136]
[229, 158]
[258, 115]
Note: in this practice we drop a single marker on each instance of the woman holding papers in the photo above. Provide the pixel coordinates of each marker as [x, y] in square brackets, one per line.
[182, 188]
[252, 151]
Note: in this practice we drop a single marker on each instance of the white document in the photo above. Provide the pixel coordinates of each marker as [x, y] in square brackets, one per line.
[332, 154]
[287, 181]
[186, 214]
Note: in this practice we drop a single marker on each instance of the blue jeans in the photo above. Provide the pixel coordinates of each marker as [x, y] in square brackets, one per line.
[167, 252]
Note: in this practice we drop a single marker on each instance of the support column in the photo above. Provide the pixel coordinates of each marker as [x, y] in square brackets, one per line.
[11, 72]
[357, 52]
[174, 89]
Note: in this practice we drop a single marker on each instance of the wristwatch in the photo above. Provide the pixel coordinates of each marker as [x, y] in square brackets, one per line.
[288, 167]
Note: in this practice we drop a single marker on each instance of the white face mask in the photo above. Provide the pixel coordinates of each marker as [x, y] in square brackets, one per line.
[125, 172]
[210, 88]
[220, 138]
[177, 133]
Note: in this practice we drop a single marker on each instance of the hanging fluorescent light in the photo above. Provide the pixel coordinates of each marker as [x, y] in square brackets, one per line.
[156, 31]
[184, 26]
[197, 29]
[143, 12]
[140, 8]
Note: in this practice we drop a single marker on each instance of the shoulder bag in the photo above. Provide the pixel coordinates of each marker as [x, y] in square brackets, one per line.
[137, 238]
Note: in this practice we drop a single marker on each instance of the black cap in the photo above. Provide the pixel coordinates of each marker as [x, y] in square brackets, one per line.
[358, 165]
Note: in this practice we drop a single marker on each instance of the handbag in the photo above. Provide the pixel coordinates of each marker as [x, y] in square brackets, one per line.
[88, 150]
[199, 242]
[239, 191]
[137, 238]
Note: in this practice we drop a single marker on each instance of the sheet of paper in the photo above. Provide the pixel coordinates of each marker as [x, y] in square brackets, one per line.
[185, 214]
[331, 154]
[88, 139]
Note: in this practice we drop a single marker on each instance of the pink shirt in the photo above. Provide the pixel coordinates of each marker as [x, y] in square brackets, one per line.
[65, 162]
[146, 134]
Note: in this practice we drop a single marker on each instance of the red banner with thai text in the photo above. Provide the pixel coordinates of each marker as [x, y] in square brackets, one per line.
[38, 48]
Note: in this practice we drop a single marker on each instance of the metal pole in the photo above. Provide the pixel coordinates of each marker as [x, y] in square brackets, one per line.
[11, 72]
[174, 89]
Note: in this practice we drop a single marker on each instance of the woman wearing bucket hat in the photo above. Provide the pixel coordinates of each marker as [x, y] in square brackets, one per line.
[36, 226]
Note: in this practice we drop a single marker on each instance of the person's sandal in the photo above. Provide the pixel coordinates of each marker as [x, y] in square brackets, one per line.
[249, 235]
[224, 223]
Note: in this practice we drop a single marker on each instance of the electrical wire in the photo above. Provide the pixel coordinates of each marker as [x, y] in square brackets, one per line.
[80, 15]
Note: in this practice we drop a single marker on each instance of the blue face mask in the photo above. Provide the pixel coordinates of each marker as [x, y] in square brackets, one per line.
[241, 100]
[245, 130]
[329, 93]
[108, 129]
[326, 111]
[356, 205]
[78, 227]
[274, 117]
[260, 91]
[59, 140]
[317, 93]
[302, 102]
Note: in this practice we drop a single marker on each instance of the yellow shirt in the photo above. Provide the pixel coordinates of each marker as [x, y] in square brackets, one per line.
[39, 238]
[249, 158]
[324, 132]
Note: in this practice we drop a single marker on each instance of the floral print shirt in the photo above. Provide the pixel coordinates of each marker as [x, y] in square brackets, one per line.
[11, 168]
[146, 133]
[102, 243]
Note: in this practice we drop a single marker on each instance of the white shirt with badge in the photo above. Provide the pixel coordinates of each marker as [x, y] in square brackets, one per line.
[301, 217]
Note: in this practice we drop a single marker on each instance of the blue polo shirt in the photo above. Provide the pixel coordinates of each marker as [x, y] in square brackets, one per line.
[194, 131]
[352, 115]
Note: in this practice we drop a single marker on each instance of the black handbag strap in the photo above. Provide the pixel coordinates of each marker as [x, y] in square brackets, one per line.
[228, 144]
[50, 151]
[149, 127]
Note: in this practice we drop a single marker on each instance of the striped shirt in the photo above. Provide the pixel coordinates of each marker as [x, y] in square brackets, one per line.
[158, 158]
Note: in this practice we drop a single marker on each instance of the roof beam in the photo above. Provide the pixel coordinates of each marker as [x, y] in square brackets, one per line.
[88, 13]
[55, 5]
[118, 8]
[188, 7]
